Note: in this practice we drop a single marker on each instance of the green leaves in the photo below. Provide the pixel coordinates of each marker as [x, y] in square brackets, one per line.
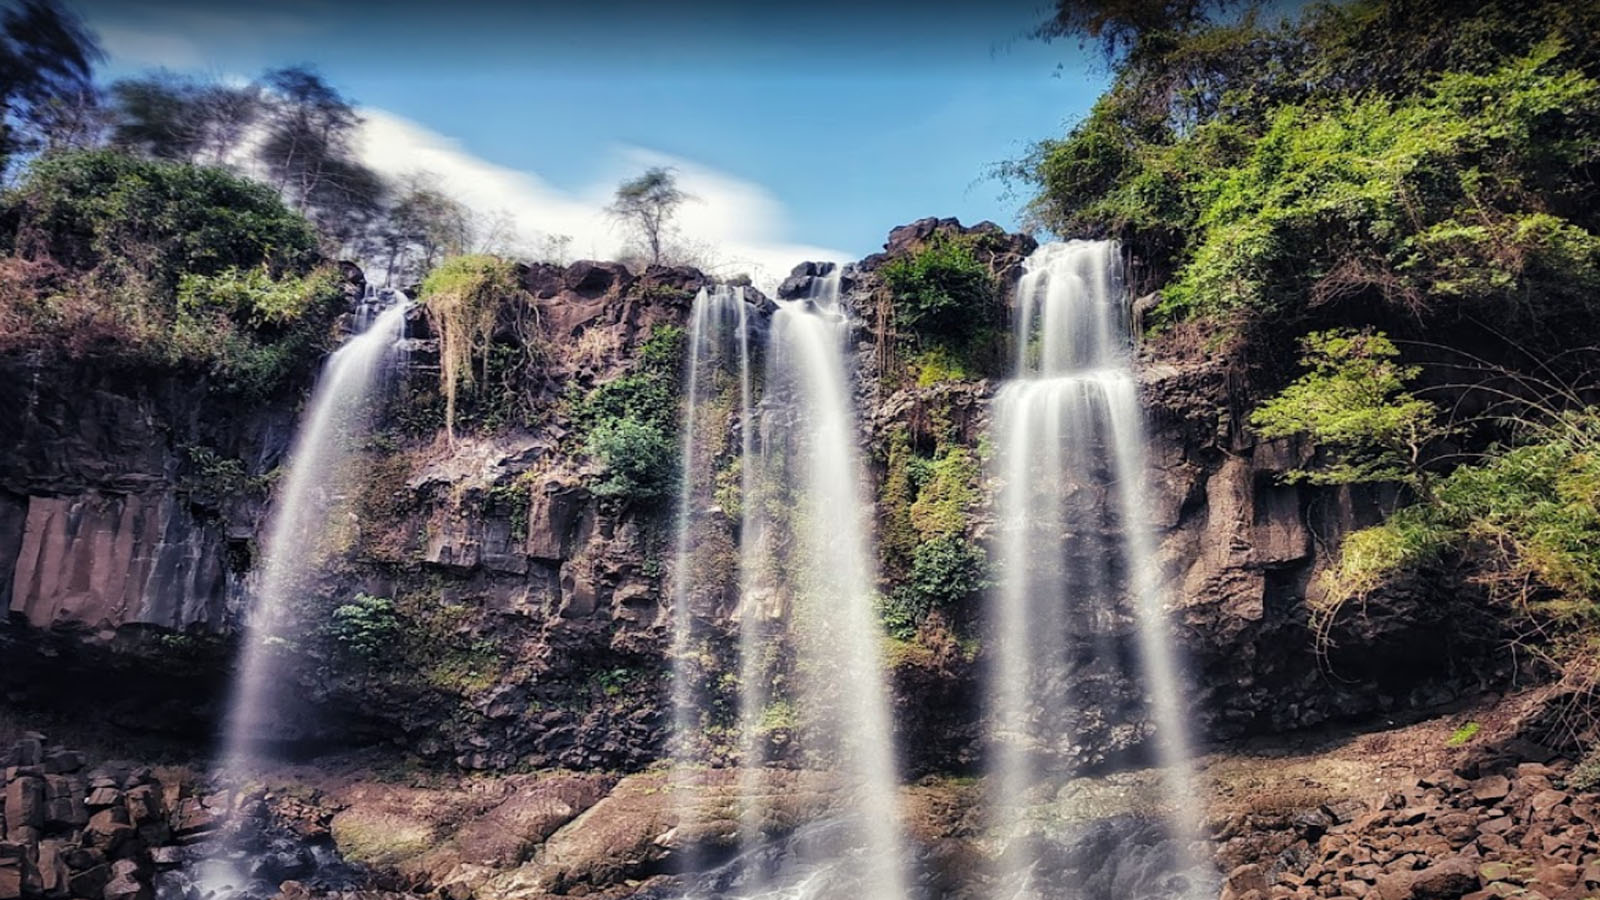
[367, 627]
[1268, 171]
[941, 290]
[637, 457]
[1354, 405]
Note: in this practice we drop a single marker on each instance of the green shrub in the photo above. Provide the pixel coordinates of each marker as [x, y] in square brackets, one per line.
[169, 264]
[101, 209]
[1354, 405]
[942, 290]
[367, 627]
[251, 297]
[945, 572]
[662, 350]
[1531, 512]
[637, 460]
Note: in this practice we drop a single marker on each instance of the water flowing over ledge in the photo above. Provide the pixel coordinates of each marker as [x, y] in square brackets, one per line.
[336, 415]
[1065, 427]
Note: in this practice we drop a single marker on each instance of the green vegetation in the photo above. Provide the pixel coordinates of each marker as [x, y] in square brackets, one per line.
[1464, 735]
[467, 296]
[629, 422]
[1354, 406]
[367, 627]
[1528, 512]
[941, 290]
[637, 458]
[945, 307]
[1585, 776]
[152, 222]
[926, 504]
[167, 264]
[1420, 157]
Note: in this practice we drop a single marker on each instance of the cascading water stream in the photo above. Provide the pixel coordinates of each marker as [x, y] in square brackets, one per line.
[819, 580]
[1068, 425]
[337, 413]
[718, 341]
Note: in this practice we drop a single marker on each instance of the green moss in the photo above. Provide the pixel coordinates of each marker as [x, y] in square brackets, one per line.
[380, 839]
[948, 490]
[940, 364]
[1463, 735]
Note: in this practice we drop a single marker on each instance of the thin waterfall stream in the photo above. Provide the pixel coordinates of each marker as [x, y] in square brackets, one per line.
[337, 413]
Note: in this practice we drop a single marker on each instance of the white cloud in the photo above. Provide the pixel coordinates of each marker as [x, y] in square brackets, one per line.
[740, 224]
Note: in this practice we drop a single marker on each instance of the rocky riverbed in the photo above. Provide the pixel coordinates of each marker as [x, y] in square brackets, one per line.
[1458, 806]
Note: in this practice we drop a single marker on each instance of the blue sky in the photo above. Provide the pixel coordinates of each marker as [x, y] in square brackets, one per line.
[825, 125]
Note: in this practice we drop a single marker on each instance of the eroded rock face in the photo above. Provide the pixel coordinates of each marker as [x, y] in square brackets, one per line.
[550, 606]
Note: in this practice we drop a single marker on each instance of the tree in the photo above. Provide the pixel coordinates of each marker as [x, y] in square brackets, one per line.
[309, 156]
[422, 227]
[646, 205]
[47, 90]
[1355, 406]
[168, 116]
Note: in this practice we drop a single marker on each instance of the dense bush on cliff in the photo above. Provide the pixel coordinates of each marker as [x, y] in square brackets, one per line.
[163, 262]
[943, 300]
[1432, 156]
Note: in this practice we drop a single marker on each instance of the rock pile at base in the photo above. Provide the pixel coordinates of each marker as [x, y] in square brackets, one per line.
[1494, 826]
[73, 831]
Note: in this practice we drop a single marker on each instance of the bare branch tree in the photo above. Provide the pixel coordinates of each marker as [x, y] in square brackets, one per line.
[646, 205]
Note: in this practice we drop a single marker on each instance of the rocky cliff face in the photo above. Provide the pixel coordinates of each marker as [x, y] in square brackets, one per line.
[533, 612]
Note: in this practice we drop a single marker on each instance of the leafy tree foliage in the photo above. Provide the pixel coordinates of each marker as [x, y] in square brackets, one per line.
[47, 93]
[168, 116]
[107, 211]
[423, 227]
[1354, 405]
[165, 262]
[309, 156]
[1435, 156]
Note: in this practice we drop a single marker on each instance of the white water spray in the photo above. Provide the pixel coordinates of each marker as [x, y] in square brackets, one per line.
[820, 582]
[1068, 425]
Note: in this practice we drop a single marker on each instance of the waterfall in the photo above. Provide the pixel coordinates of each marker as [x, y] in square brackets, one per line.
[337, 413]
[808, 597]
[718, 341]
[1073, 544]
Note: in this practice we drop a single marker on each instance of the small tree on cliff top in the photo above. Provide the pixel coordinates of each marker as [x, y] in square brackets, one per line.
[646, 205]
